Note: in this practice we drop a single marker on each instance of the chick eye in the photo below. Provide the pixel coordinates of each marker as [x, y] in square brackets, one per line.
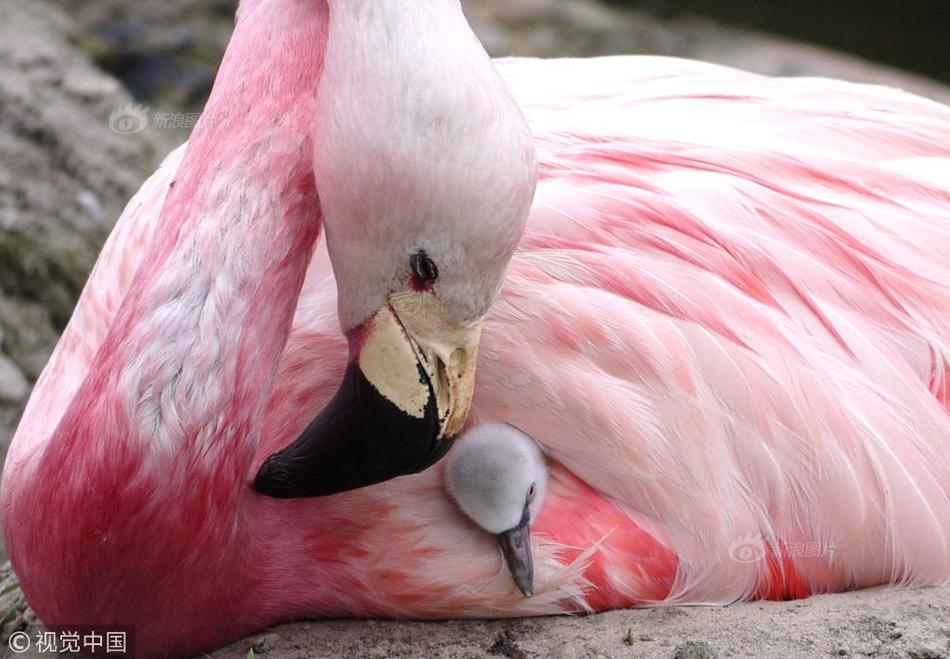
[531, 493]
[424, 270]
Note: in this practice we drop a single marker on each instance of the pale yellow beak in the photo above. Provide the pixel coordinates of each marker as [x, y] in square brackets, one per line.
[404, 397]
[447, 351]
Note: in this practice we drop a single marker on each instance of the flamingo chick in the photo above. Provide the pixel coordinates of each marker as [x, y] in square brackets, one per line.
[498, 478]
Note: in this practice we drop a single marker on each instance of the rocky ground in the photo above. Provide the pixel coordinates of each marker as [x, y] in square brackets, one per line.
[882, 624]
[64, 178]
[870, 624]
[167, 51]
[71, 155]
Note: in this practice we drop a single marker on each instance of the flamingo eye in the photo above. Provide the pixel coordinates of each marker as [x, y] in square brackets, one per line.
[531, 493]
[424, 271]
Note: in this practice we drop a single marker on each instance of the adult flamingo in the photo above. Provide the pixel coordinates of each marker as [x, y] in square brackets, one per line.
[728, 325]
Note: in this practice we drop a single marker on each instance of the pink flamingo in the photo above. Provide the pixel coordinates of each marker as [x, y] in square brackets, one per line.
[727, 325]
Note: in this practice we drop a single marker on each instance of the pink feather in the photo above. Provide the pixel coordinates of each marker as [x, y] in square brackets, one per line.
[728, 326]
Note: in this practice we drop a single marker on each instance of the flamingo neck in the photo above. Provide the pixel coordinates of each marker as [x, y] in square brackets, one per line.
[193, 350]
[149, 462]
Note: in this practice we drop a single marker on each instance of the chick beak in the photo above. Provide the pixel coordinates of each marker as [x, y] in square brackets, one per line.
[516, 548]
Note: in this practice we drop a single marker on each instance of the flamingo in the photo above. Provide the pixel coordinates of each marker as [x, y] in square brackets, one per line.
[726, 325]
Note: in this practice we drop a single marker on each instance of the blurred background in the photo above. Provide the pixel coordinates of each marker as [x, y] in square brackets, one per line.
[72, 149]
[167, 50]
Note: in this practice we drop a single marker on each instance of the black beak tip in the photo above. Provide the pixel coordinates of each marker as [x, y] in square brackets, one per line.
[360, 438]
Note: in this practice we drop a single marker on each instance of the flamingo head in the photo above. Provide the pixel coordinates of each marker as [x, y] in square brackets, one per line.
[497, 476]
[425, 169]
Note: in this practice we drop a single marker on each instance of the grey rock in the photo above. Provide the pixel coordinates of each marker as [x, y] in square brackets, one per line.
[694, 650]
[167, 50]
[64, 178]
[17, 616]
[13, 384]
[585, 28]
[265, 642]
[572, 650]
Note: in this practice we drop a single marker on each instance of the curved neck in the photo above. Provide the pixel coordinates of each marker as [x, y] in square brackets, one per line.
[149, 461]
[193, 349]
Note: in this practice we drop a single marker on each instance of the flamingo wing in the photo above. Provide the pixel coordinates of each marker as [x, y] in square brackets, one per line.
[731, 313]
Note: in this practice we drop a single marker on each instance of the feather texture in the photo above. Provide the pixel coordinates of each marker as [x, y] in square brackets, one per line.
[727, 325]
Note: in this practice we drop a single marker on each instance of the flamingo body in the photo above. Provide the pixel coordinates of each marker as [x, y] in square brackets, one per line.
[727, 325]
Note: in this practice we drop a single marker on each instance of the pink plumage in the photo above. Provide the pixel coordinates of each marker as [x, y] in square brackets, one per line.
[727, 325]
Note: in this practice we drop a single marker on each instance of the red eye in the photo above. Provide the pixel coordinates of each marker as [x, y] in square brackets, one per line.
[424, 271]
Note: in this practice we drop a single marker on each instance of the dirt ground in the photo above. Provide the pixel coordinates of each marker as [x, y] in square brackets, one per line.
[884, 624]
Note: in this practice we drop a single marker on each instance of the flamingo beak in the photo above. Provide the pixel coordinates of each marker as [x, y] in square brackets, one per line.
[405, 396]
[516, 548]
